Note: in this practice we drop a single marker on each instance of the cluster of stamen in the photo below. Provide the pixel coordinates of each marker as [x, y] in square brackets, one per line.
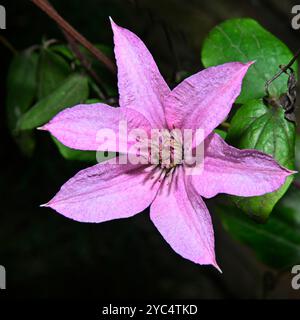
[167, 151]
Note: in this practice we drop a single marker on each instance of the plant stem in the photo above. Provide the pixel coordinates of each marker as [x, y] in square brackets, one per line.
[283, 69]
[86, 64]
[72, 32]
[8, 45]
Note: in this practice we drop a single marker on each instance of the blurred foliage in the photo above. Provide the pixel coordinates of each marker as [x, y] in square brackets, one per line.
[21, 90]
[52, 71]
[50, 78]
[276, 243]
[21, 85]
[74, 90]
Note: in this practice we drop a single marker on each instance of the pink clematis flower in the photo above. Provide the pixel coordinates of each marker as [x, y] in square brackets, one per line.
[108, 191]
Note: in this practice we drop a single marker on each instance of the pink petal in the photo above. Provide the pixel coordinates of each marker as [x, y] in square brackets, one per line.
[182, 218]
[106, 192]
[141, 86]
[77, 127]
[204, 100]
[237, 172]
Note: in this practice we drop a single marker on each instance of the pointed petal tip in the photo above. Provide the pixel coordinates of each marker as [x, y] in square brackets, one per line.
[112, 23]
[45, 205]
[42, 128]
[215, 264]
[217, 267]
[115, 27]
[249, 64]
[289, 172]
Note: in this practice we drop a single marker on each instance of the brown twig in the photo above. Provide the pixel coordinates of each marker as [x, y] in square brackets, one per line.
[73, 44]
[87, 65]
[283, 69]
[64, 25]
[8, 45]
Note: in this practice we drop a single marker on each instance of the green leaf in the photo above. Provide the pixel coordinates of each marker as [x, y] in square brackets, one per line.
[21, 86]
[245, 40]
[66, 52]
[26, 142]
[297, 159]
[93, 101]
[262, 127]
[88, 156]
[63, 50]
[72, 91]
[276, 243]
[221, 133]
[110, 82]
[52, 71]
[72, 154]
[21, 92]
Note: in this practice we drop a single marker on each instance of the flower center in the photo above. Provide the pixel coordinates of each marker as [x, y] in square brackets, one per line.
[168, 149]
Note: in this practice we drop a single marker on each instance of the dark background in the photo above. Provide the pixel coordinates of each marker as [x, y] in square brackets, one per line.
[47, 255]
